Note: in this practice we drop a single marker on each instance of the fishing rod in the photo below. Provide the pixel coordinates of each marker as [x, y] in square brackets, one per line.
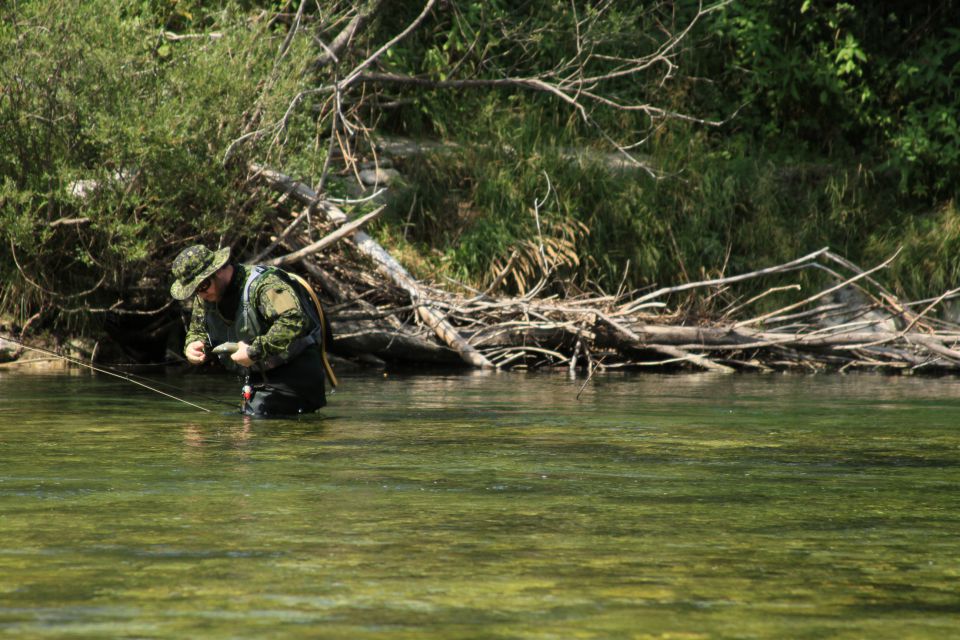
[128, 377]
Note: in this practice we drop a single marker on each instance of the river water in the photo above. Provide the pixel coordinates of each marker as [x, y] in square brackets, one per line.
[485, 506]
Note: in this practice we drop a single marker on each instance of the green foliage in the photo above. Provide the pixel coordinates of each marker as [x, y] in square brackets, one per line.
[141, 123]
[845, 134]
[930, 244]
[845, 129]
[715, 215]
[877, 82]
[496, 40]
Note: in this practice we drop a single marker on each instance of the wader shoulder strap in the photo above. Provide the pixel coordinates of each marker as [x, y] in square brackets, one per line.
[324, 328]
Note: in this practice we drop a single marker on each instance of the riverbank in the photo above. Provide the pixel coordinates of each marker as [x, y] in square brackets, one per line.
[511, 185]
[381, 315]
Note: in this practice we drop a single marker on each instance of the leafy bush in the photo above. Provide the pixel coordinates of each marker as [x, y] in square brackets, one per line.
[875, 83]
[140, 123]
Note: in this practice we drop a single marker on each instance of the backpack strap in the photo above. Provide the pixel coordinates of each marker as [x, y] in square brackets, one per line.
[324, 328]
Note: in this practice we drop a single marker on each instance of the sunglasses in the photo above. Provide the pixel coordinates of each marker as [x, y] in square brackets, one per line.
[203, 286]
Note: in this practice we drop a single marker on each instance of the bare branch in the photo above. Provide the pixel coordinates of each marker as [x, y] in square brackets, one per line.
[326, 241]
[340, 42]
[355, 73]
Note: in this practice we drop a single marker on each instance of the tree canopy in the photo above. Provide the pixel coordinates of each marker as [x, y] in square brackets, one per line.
[742, 133]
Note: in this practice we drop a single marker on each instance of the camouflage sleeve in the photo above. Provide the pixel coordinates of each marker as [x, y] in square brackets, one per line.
[198, 326]
[286, 320]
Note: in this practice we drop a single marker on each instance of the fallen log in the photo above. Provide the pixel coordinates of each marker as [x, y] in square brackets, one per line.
[819, 331]
[386, 264]
[357, 337]
[700, 361]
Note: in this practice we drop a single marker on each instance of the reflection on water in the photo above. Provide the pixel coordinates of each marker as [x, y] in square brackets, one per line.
[485, 505]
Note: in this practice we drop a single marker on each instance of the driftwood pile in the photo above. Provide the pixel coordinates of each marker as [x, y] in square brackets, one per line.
[381, 313]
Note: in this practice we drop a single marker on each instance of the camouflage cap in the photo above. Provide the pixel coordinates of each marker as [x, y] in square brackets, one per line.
[193, 266]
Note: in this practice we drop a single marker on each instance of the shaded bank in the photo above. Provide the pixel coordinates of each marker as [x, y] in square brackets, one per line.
[380, 314]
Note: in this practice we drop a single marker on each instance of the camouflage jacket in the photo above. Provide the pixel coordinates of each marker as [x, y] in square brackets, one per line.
[281, 316]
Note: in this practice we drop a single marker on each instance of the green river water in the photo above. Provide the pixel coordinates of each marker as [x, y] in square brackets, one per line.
[485, 506]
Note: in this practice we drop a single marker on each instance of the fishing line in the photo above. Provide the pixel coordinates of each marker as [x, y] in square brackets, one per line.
[167, 385]
[128, 377]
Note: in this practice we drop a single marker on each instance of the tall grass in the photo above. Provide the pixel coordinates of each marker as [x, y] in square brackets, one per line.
[709, 211]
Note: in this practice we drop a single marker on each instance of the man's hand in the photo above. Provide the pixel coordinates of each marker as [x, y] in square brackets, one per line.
[241, 357]
[194, 352]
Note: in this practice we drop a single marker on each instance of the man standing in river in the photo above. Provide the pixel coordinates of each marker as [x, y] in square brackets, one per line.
[278, 330]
